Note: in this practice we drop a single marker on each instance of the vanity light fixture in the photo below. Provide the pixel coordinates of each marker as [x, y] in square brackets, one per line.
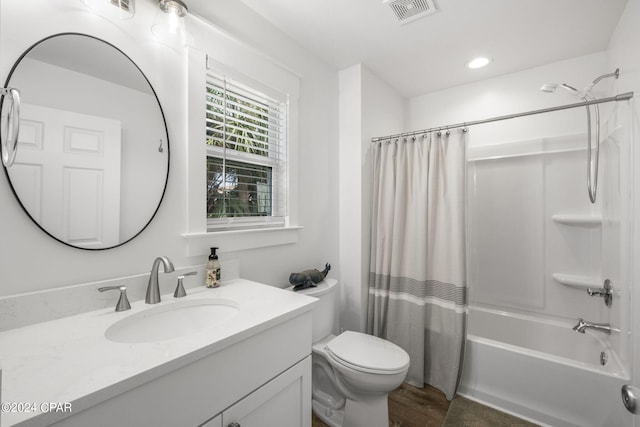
[168, 25]
[121, 9]
[479, 62]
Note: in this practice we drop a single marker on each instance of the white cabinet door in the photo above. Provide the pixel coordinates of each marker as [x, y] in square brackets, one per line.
[285, 401]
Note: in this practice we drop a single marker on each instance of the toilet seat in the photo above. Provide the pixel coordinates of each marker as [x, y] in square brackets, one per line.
[368, 354]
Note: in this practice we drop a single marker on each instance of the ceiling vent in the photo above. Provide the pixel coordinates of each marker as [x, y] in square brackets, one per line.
[410, 10]
[125, 5]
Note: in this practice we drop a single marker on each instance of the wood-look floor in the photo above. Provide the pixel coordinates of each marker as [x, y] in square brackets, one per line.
[412, 407]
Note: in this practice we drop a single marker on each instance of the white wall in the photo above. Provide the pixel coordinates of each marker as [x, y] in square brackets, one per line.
[351, 194]
[368, 107]
[32, 261]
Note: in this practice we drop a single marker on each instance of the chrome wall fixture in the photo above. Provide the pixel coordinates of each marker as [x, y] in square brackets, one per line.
[10, 122]
[177, 7]
[586, 95]
[606, 292]
[168, 25]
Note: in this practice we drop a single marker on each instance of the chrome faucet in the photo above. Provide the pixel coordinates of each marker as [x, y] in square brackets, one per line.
[153, 289]
[123, 302]
[582, 326]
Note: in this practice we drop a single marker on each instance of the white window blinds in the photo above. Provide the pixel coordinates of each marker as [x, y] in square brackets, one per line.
[246, 137]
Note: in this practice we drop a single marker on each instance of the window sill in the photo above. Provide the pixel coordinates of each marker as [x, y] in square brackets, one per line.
[238, 240]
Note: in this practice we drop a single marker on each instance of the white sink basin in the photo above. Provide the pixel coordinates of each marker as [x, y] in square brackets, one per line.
[172, 321]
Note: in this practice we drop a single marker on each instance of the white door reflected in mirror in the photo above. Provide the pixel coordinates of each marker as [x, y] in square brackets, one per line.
[70, 163]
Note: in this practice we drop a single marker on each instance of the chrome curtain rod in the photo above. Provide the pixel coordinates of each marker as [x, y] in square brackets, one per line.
[622, 97]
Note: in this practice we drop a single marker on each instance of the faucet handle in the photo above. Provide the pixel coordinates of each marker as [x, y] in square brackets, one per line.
[606, 292]
[123, 301]
[180, 292]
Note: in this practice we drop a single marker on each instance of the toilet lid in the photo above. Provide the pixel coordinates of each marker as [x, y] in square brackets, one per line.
[369, 353]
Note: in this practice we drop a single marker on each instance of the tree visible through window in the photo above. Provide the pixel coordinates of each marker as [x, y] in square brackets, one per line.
[237, 189]
[245, 138]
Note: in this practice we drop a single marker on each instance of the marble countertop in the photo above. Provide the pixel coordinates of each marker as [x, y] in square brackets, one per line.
[53, 369]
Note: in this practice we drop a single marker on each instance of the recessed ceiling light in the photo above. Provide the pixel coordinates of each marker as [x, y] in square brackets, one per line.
[478, 62]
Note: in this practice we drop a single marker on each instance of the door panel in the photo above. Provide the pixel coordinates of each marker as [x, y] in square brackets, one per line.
[72, 161]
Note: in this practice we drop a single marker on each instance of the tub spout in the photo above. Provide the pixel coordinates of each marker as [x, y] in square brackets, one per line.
[583, 326]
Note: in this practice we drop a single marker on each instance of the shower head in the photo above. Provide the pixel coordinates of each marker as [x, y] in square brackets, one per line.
[549, 87]
[585, 93]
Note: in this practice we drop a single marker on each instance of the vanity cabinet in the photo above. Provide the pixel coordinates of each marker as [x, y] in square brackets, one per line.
[260, 380]
[284, 402]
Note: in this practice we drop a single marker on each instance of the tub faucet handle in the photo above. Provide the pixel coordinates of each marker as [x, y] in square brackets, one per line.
[123, 301]
[606, 292]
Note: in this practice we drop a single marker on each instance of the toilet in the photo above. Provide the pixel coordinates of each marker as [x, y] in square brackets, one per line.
[352, 373]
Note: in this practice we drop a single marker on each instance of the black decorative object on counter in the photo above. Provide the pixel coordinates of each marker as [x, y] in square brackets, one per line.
[308, 278]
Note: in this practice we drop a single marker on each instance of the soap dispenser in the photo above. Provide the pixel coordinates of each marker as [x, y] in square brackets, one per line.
[213, 270]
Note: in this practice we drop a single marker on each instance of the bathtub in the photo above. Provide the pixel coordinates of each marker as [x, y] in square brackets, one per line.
[542, 370]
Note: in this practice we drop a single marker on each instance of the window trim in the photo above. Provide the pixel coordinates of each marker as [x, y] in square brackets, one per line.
[268, 75]
[231, 86]
[198, 244]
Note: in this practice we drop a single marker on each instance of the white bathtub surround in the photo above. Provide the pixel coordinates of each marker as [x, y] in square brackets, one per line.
[34, 307]
[541, 370]
[417, 285]
[71, 360]
[536, 245]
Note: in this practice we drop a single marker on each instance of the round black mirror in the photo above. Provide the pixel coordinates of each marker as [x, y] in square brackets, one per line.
[92, 159]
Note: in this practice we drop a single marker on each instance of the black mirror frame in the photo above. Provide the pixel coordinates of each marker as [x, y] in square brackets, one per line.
[164, 120]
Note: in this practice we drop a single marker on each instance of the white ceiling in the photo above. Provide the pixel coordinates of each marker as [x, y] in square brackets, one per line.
[430, 53]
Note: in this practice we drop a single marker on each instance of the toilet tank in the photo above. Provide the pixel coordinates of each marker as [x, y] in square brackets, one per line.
[323, 312]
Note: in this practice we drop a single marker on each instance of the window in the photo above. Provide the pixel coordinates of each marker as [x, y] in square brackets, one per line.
[246, 140]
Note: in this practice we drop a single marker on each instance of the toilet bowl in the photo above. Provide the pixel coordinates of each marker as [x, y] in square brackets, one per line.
[352, 373]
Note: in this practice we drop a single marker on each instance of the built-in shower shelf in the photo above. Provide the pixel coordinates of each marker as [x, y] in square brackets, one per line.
[574, 281]
[578, 220]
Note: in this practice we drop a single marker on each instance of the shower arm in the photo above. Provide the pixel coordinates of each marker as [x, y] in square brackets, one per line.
[615, 74]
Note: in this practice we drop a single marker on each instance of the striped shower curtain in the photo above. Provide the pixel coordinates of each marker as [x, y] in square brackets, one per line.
[417, 280]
